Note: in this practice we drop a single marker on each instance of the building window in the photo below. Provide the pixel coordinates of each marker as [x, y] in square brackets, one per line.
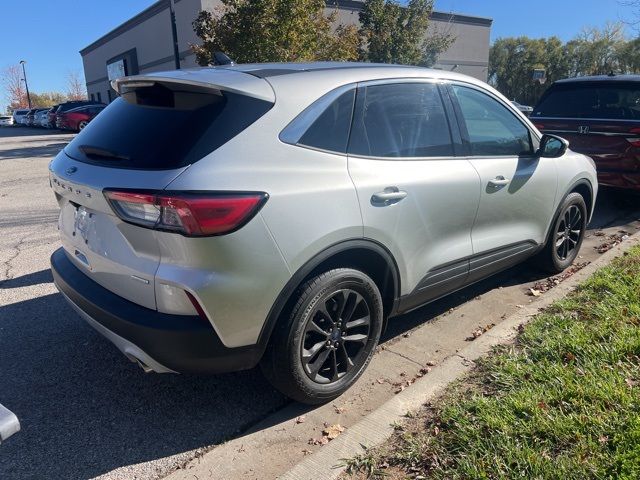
[93, 98]
[99, 97]
[109, 95]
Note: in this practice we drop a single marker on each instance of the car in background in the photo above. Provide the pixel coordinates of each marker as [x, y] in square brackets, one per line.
[194, 238]
[19, 116]
[51, 116]
[78, 118]
[40, 118]
[6, 121]
[28, 118]
[526, 109]
[70, 105]
[600, 117]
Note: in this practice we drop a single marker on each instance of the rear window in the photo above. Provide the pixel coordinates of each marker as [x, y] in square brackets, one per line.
[618, 101]
[164, 126]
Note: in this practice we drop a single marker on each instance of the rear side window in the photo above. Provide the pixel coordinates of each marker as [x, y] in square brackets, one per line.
[400, 120]
[493, 130]
[330, 131]
[618, 101]
[164, 126]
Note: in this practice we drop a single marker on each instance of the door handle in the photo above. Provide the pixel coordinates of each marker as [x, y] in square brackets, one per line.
[389, 196]
[499, 181]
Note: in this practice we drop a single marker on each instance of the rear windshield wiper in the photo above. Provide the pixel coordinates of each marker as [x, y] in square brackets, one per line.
[98, 153]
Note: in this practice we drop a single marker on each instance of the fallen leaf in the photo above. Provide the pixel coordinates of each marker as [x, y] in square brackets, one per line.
[431, 363]
[306, 451]
[301, 419]
[339, 410]
[534, 293]
[333, 431]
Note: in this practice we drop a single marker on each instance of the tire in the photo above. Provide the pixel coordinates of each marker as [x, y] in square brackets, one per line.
[561, 251]
[81, 125]
[307, 333]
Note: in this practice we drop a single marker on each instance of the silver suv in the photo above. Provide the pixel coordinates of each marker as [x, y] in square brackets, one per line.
[216, 218]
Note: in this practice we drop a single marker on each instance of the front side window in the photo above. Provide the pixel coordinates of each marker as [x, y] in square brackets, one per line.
[492, 129]
[400, 120]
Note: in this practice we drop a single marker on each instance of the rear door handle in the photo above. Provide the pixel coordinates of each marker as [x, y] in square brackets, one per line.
[389, 196]
[499, 181]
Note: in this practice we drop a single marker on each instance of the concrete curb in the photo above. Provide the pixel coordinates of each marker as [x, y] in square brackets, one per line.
[376, 427]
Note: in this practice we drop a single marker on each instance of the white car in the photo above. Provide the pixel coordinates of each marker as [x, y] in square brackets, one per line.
[6, 121]
[41, 118]
[20, 116]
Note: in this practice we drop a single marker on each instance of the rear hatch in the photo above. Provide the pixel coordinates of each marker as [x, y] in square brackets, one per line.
[599, 118]
[142, 141]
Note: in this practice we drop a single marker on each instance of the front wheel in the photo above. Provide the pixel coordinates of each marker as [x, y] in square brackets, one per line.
[81, 125]
[566, 235]
[328, 339]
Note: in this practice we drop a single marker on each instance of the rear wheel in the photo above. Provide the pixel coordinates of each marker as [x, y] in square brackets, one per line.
[566, 235]
[328, 338]
[82, 124]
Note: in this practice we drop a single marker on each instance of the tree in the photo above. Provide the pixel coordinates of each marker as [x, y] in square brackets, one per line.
[392, 33]
[47, 99]
[75, 86]
[273, 31]
[14, 89]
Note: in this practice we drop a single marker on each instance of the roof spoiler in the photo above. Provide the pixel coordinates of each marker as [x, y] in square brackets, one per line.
[214, 79]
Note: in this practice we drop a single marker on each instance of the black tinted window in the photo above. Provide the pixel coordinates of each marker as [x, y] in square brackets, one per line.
[330, 131]
[591, 100]
[492, 128]
[161, 127]
[400, 120]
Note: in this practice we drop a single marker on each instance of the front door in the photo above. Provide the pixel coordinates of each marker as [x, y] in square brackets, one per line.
[518, 188]
[416, 197]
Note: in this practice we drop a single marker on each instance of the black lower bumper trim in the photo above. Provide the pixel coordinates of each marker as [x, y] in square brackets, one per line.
[185, 344]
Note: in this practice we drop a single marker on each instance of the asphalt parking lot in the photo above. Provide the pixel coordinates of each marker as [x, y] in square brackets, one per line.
[85, 410]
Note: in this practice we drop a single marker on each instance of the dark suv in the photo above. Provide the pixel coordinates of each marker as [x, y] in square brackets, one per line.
[600, 116]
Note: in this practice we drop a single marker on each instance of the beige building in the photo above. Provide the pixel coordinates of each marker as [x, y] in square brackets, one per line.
[145, 43]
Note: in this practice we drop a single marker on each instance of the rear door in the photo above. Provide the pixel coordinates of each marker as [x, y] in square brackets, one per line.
[141, 141]
[518, 189]
[416, 197]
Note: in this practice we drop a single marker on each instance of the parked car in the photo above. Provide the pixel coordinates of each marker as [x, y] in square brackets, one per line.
[29, 117]
[6, 121]
[19, 116]
[78, 118]
[70, 105]
[40, 119]
[600, 117]
[210, 220]
[526, 109]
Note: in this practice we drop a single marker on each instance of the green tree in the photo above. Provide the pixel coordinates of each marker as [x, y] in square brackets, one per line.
[47, 99]
[274, 31]
[392, 33]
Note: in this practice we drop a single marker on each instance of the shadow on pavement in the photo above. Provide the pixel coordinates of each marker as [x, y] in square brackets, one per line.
[48, 150]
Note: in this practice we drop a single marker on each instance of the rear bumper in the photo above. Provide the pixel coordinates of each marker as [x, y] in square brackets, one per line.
[161, 342]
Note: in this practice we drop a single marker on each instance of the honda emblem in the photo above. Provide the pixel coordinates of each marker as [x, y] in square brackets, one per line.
[583, 130]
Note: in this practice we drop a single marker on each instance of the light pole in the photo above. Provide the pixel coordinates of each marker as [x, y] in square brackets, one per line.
[26, 85]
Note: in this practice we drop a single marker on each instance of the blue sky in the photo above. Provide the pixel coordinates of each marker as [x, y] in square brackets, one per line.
[55, 30]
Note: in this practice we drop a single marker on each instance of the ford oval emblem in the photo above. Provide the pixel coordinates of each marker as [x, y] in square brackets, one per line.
[72, 170]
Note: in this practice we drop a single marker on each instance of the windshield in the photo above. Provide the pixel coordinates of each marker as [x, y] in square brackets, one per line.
[609, 100]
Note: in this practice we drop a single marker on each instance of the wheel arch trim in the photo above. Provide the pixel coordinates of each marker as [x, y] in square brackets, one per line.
[318, 259]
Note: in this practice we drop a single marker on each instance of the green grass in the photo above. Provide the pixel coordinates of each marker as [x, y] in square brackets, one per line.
[562, 403]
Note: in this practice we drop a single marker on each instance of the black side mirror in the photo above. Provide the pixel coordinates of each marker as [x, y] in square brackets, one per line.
[552, 146]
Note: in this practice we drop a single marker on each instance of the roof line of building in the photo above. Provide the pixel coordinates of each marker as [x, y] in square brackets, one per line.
[161, 5]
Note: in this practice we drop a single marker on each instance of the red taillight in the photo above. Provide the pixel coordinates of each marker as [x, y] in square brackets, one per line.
[197, 306]
[186, 213]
